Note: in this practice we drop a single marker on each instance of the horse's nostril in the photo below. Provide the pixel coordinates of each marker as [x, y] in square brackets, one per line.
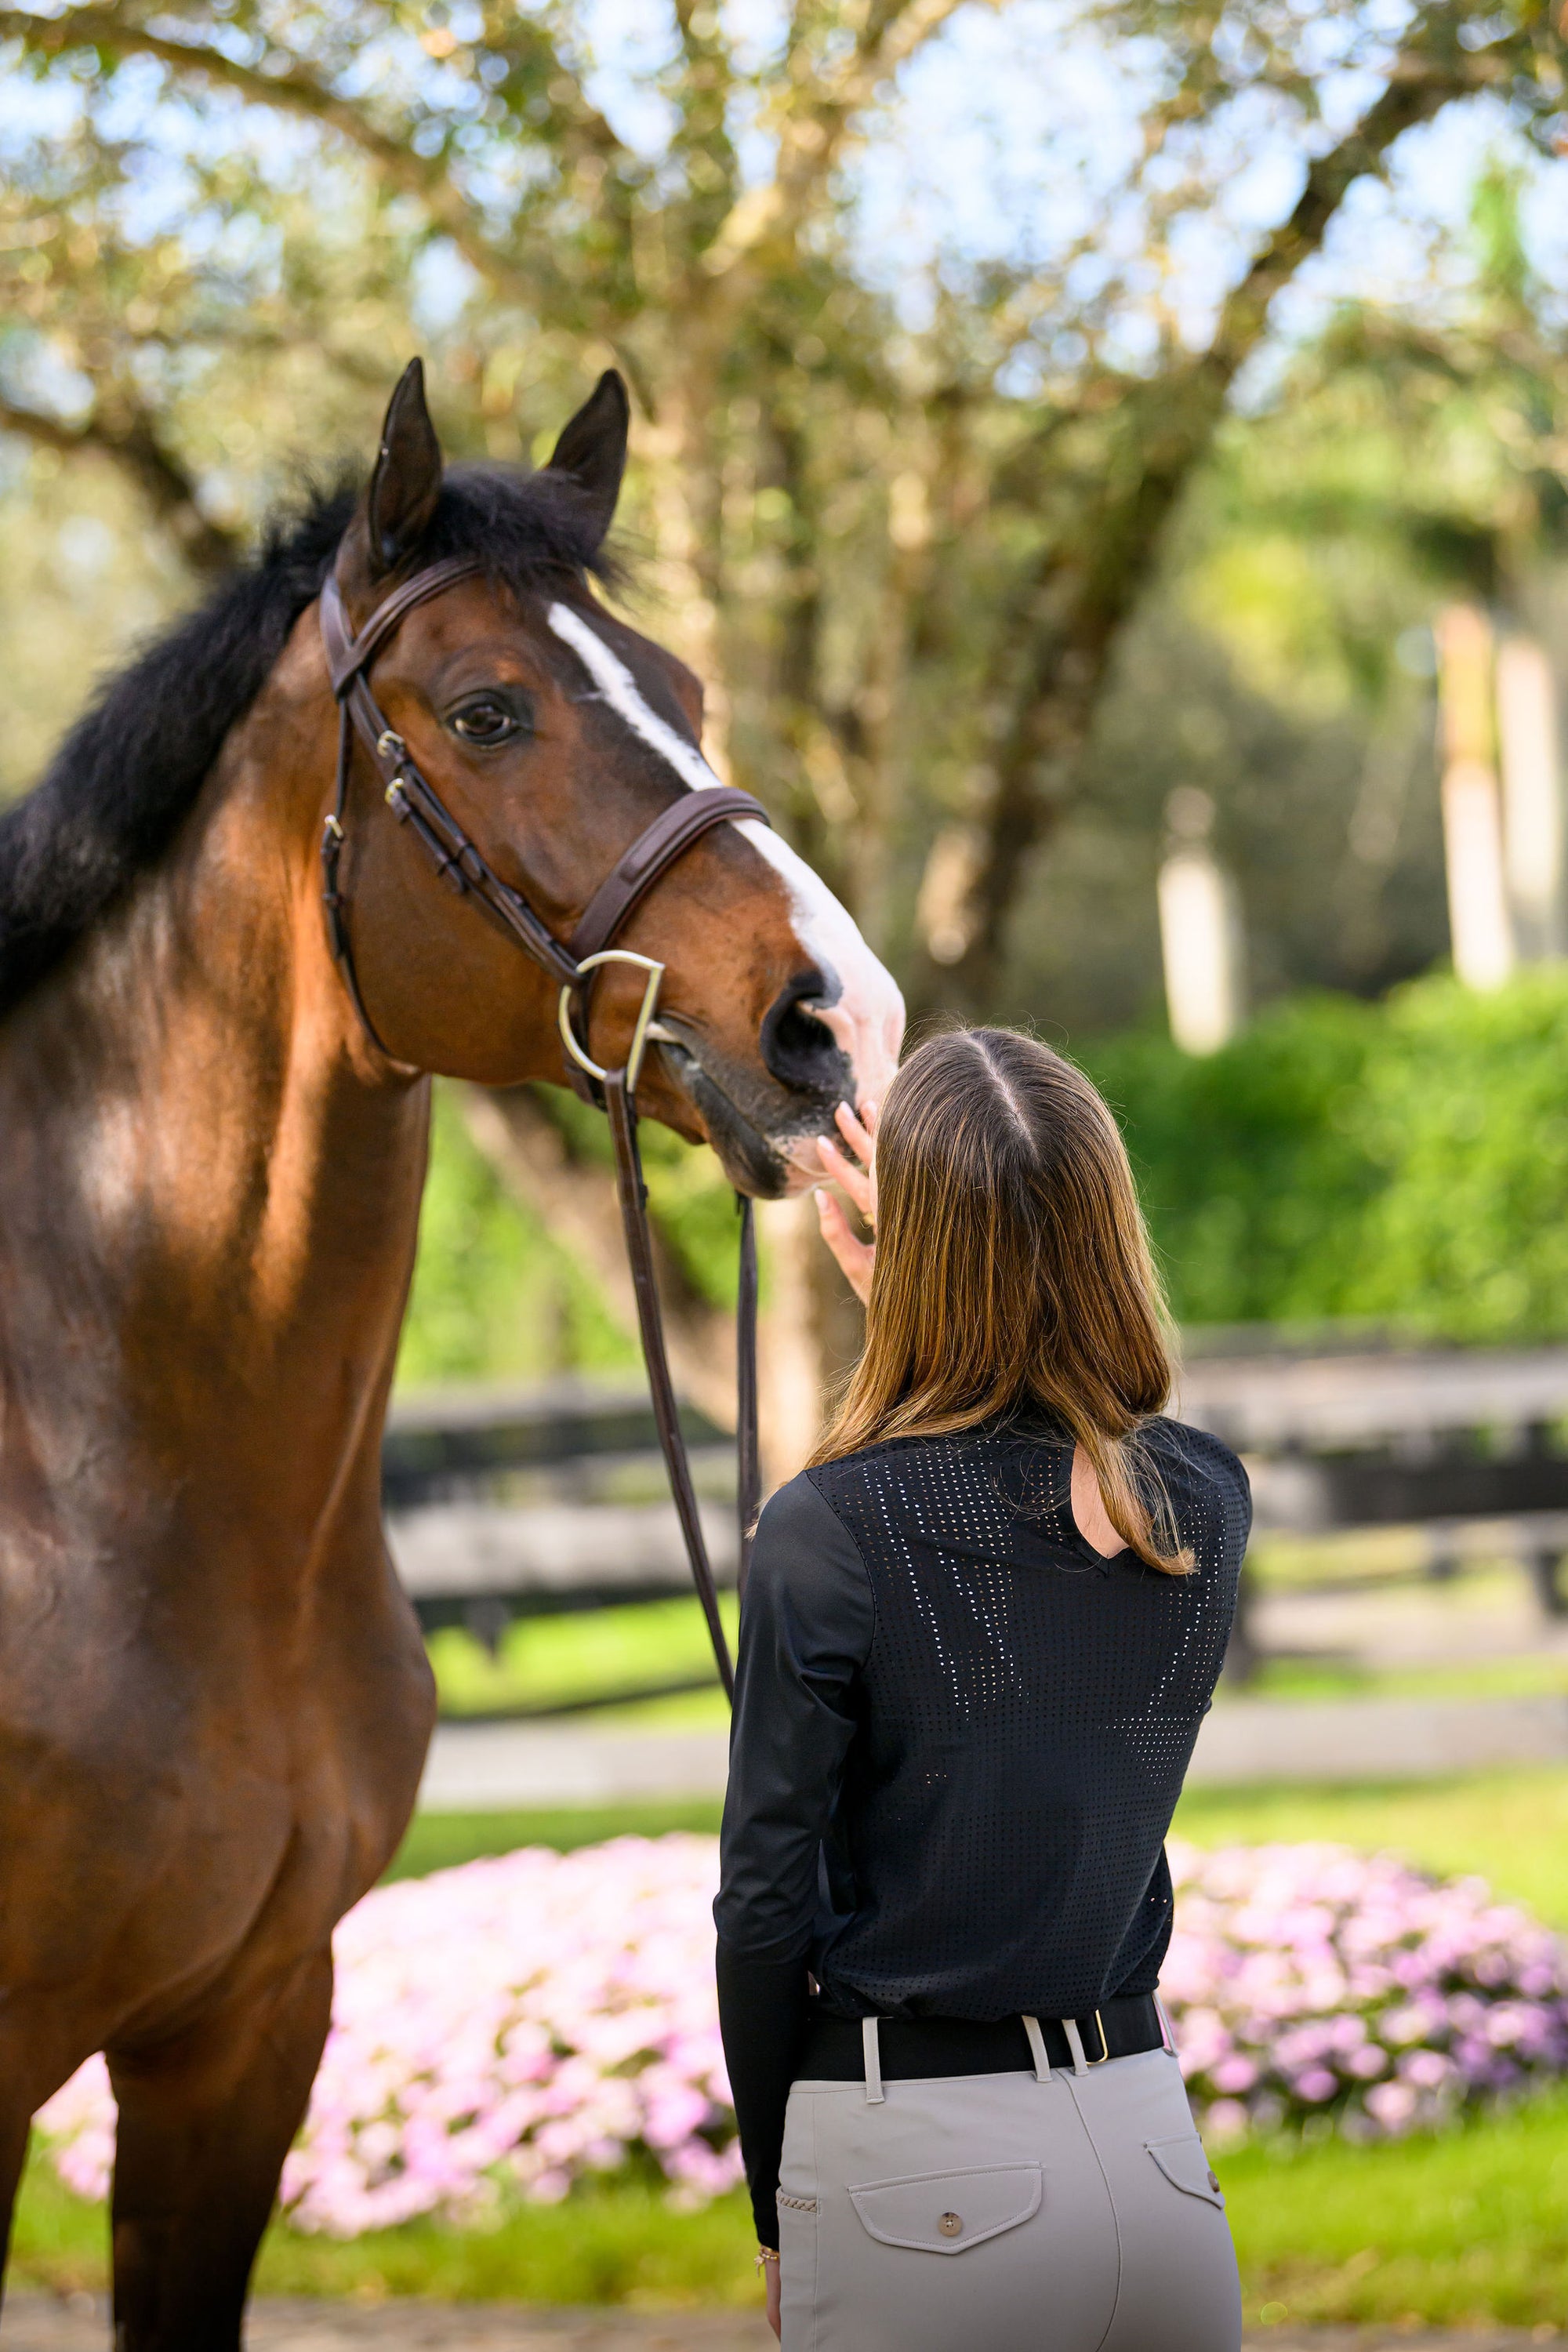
[798, 1049]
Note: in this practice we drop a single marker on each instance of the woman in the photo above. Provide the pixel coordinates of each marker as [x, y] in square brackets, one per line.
[980, 1633]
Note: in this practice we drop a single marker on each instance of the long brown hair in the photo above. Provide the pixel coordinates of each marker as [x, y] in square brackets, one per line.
[1013, 1269]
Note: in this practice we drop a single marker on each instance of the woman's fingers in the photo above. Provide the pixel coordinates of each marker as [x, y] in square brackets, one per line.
[854, 1180]
[859, 1181]
[859, 1129]
[855, 1256]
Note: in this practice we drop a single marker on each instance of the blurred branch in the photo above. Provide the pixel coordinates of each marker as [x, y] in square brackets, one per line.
[814, 120]
[1049, 668]
[1431, 70]
[136, 449]
[295, 91]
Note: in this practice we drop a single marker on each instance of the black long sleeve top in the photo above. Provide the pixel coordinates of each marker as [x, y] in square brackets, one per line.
[959, 1737]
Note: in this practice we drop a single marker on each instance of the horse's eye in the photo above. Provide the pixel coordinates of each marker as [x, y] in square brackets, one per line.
[487, 719]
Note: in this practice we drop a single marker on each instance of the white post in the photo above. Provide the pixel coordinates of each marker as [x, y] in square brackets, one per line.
[1200, 931]
[1480, 925]
[1531, 796]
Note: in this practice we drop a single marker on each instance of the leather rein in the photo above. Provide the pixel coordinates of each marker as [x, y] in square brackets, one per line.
[573, 964]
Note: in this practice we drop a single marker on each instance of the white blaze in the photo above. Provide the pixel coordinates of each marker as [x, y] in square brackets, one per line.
[867, 1020]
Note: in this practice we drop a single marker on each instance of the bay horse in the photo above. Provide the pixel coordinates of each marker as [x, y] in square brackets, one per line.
[213, 1701]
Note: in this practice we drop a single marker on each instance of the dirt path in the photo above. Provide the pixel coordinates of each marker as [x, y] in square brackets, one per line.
[40, 2323]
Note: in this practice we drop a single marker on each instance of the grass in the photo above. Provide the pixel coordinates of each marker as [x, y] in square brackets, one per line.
[555, 1661]
[560, 1661]
[1510, 1827]
[1466, 2229]
[617, 2241]
[1463, 2229]
[1545, 1674]
[438, 1841]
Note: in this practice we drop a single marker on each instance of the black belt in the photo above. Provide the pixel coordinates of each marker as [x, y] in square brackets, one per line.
[916, 2048]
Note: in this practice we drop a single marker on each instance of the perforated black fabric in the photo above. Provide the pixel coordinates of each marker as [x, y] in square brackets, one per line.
[981, 1726]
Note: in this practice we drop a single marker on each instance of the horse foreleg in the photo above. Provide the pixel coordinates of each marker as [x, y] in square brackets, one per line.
[206, 2122]
[14, 2126]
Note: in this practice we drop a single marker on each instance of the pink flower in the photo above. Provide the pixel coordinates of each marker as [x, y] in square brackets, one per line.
[507, 2028]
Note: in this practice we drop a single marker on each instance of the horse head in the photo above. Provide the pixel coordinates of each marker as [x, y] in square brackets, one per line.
[555, 734]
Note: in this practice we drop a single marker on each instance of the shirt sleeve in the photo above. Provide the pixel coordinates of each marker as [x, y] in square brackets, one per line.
[806, 1631]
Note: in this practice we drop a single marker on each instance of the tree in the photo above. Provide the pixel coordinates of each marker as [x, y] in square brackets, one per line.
[903, 557]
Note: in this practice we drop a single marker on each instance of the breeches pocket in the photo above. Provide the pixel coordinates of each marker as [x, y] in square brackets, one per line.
[948, 2212]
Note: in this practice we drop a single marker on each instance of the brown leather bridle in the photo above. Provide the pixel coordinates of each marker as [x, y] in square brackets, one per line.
[573, 964]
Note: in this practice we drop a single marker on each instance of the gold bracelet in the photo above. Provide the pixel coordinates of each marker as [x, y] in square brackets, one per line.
[766, 2254]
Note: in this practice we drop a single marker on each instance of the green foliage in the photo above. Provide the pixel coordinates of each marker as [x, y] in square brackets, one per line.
[494, 1296]
[693, 1207]
[1247, 1173]
[1405, 1162]
[552, 1661]
[904, 499]
[1466, 1114]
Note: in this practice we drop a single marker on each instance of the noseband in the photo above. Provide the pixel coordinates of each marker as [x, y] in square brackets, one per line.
[573, 963]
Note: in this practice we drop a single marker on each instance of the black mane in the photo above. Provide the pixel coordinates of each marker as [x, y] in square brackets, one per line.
[116, 791]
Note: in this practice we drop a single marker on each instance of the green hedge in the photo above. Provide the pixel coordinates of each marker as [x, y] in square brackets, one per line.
[1405, 1162]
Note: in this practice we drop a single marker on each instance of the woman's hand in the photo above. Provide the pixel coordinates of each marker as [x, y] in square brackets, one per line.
[858, 1178]
[774, 2322]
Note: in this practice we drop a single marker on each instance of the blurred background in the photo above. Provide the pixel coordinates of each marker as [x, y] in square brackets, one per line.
[1107, 460]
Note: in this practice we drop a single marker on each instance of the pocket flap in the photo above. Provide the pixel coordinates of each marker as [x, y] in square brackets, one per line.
[948, 2212]
[1186, 2167]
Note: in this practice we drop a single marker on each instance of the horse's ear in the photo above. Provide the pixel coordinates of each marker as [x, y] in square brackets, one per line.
[593, 449]
[396, 510]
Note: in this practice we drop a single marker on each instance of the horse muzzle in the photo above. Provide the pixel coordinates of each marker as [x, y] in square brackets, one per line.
[763, 1118]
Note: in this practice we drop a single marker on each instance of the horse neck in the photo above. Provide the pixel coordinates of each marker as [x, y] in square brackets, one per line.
[209, 1194]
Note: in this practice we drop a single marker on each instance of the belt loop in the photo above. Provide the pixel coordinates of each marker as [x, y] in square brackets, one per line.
[1075, 2043]
[1037, 2047]
[1165, 2034]
[875, 2095]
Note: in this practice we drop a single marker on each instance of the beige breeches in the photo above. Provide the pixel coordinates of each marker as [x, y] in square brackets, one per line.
[1075, 2212]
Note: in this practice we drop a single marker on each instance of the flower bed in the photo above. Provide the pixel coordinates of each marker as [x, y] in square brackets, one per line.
[518, 2022]
[523, 2022]
[1310, 1981]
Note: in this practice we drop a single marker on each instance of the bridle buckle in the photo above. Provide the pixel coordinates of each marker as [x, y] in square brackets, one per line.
[638, 1046]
